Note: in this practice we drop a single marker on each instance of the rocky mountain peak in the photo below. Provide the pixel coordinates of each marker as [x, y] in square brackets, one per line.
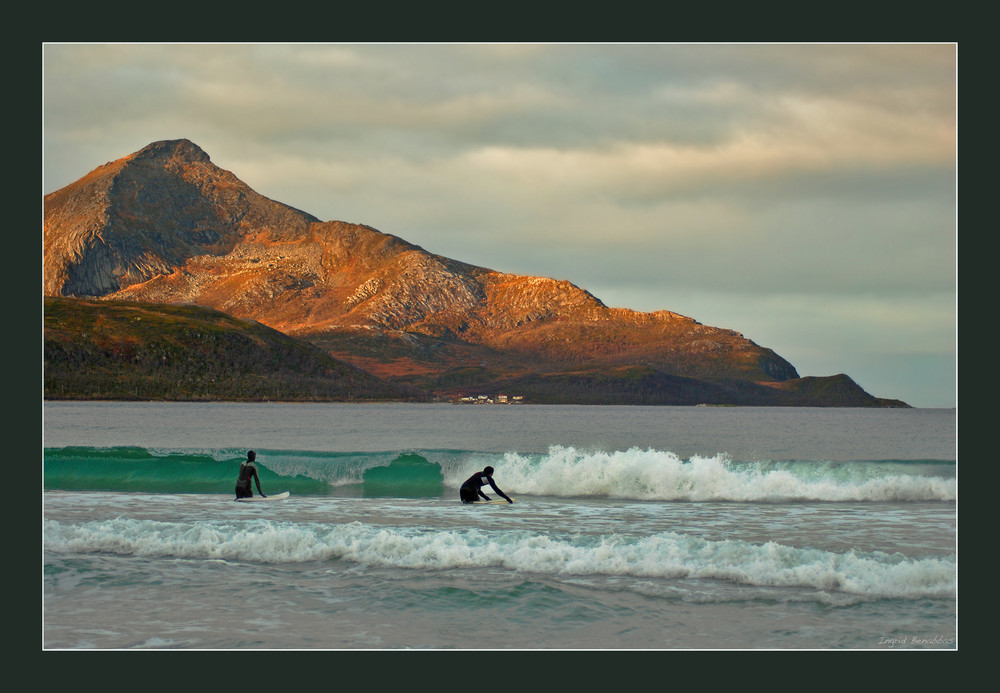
[182, 151]
[147, 214]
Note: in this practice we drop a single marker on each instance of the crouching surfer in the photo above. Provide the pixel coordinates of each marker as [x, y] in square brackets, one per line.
[472, 489]
[248, 471]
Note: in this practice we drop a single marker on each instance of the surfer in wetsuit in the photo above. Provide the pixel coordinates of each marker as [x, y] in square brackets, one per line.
[248, 470]
[472, 489]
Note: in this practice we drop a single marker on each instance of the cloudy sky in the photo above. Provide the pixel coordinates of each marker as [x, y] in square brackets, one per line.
[802, 194]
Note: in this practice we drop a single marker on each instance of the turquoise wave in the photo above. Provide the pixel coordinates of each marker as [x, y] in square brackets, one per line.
[132, 469]
[634, 474]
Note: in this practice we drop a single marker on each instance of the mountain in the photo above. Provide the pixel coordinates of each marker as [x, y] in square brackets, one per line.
[165, 225]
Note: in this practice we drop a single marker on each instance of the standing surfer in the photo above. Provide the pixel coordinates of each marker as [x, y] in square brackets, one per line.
[472, 489]
[248, 470]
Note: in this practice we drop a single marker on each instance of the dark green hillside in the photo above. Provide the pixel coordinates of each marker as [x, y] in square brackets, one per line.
[143, 351]
[648, 386]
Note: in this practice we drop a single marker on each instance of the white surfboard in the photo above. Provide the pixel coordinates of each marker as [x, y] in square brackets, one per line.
[257, 499]
[495, 501]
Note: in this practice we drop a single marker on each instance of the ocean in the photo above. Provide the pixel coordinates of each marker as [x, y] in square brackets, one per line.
[634, 528]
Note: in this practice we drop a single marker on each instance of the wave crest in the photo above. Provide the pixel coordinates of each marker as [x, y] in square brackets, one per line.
[668, 555]
[657, 475]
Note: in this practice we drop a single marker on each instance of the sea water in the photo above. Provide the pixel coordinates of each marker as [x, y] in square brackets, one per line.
[634, 528]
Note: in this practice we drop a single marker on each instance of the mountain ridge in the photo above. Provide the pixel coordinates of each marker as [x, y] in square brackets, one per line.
[166, 225]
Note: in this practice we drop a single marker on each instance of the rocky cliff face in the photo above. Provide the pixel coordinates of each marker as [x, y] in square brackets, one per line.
[166, 225]
[148, 214]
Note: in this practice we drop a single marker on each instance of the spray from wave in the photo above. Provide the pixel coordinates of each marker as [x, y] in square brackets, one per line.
[657, 475]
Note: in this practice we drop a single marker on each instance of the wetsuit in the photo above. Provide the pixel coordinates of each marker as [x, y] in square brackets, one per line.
[248, 470]
[472, 489]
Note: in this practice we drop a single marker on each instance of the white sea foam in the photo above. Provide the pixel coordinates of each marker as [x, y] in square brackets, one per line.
[666, 555]
[661, 475]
